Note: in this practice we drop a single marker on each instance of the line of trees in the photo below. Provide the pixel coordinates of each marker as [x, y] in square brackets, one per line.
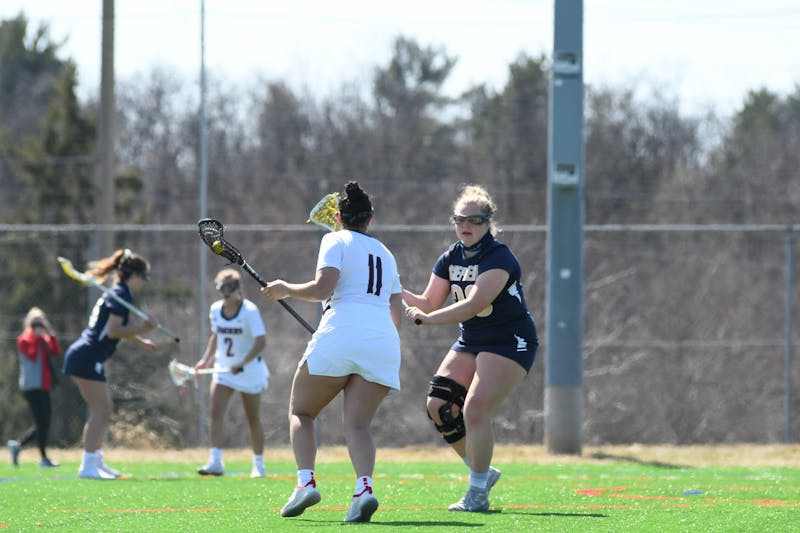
[274, 150]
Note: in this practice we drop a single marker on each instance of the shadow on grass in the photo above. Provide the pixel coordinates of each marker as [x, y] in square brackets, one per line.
[449, 524]
[563, 515]
[628, 459]
[424, 523]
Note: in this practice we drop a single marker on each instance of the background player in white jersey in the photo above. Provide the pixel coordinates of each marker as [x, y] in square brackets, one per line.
[497, 345]
[237, 341]
[356, 349]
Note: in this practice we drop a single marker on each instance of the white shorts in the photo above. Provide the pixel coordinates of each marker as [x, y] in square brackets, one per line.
[254, 379]
[344, 350]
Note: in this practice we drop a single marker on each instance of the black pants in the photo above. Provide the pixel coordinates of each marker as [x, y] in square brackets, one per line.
[39, 402]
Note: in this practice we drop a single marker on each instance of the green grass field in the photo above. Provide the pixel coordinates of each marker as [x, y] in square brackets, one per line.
[599, 492]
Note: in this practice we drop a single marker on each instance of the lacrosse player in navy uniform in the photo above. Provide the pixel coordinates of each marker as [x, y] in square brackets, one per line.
[497, 345]
[355, 350]
[108, 324]
[237, 342]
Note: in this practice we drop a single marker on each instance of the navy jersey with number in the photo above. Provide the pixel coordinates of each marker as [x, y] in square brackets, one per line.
[85, 357]
[96, 333]
[462, 273]
[504, 327]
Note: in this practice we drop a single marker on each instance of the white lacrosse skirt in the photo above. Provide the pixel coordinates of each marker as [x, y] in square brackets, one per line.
[254, 379]
[353, 339]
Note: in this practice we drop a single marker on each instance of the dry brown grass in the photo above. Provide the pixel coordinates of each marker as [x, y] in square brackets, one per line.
[709, 455]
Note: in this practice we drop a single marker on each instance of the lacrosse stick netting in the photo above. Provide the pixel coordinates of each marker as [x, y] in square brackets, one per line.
[212, 233]
[182, 374]
[324, 213]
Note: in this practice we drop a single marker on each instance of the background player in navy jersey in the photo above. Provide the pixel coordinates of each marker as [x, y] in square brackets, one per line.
[497, 345]
[355, 350]
[237, 341]
[108, 324]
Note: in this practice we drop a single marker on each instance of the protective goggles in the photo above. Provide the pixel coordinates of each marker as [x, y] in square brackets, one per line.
[229, 285]
[475, 220]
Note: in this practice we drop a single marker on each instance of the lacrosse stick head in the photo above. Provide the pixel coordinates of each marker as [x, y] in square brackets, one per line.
[69, 270]
[324, 213]
[211, 231]
[180, 374]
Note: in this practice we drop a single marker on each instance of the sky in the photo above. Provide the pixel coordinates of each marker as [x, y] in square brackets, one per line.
[705, 53]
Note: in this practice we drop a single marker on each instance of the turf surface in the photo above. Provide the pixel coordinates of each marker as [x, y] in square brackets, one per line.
[615, 494]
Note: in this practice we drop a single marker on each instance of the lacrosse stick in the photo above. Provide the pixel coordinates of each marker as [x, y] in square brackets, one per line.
[69, 270]
[324, 213]
[182, 374]
[211, 232]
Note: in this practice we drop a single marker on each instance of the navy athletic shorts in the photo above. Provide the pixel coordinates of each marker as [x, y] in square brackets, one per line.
[515, 340]
[83, 361]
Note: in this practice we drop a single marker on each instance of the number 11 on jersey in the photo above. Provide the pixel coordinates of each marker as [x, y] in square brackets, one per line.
[375, 275]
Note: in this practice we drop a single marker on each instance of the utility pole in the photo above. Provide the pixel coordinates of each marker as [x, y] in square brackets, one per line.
[202, 327]
[563, 400]
[104, 169]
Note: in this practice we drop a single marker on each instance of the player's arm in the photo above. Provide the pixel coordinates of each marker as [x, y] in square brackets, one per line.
[432, 298]
[117, 330]
[318, 289]
[141, 342]
[487, 287]
[396, 308]
[208, 356]
[259, 343]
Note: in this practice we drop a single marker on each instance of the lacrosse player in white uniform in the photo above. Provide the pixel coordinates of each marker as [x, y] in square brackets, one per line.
[356, 349]
[237, 342]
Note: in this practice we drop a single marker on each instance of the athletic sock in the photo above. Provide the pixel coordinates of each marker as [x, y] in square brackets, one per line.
[216, 455]
[258, 460]
[478, 479]
[304, 477]
[362, 483]
[90, 457]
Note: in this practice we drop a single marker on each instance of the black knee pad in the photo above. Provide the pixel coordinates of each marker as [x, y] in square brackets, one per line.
[453, 393]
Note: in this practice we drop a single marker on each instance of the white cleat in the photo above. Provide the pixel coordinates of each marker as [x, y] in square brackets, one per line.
[90, 471]
[301, 499]
[258, 471]
[362, 507]
[211, 468]
[474, 501]
[108, 470]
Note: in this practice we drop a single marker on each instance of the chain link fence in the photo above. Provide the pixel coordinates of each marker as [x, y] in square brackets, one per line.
[688, 335]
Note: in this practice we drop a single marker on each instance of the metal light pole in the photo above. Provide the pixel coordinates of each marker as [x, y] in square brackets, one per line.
[202, 327]
[563, 399]
[104, 169]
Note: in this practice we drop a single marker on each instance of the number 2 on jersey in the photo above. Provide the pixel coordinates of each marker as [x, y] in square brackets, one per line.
[229, 344]
[375, 275]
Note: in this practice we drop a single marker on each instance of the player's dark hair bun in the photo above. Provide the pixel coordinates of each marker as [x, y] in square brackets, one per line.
[356, 206]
